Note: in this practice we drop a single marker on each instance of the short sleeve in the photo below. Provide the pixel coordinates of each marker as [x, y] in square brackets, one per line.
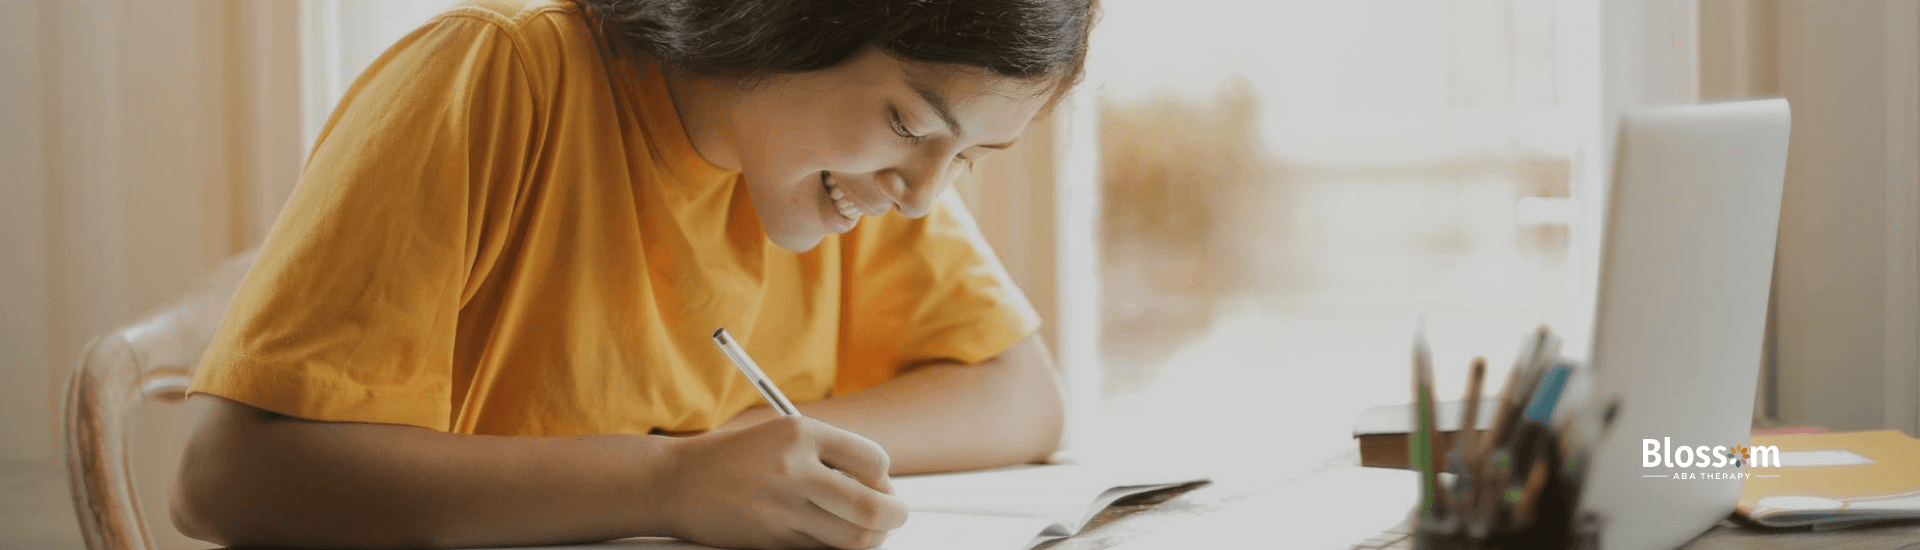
[924, 290]
[350, 312]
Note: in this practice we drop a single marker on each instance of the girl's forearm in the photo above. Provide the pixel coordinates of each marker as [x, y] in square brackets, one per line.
[945, 417]
[251, 477]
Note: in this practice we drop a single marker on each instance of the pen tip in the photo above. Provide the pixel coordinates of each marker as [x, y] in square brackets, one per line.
[717, 333]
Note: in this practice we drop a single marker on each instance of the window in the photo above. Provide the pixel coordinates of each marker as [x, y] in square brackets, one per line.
[1282, 185]
[339, 38]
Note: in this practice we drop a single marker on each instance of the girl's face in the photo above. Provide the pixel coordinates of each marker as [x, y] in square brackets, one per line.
[823, 149]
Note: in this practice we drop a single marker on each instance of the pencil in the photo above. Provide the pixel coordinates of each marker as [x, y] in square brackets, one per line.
[1519, 388]
[1463, 495]
[1494, 462]
[1469, 427]
[1484, 519]
[1523, 511]
[1425, 453]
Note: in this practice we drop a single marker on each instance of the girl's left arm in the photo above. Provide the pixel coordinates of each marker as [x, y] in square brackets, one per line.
[940, 417]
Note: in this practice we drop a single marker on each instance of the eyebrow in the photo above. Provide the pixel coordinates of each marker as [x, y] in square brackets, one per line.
[945, 112]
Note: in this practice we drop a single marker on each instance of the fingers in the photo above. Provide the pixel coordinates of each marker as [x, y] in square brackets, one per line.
[856, 456]
[848, 509]
[830, 529]
[855, 503]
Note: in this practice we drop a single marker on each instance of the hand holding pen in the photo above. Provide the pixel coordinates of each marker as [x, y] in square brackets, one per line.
[789, 482]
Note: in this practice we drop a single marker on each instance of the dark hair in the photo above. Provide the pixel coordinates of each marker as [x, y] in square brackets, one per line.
[1024, 39]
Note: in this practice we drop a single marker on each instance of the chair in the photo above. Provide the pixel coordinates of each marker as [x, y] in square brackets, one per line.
[150, 359]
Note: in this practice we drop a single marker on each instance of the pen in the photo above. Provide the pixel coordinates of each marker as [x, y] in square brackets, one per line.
[1547, 394]
[752, 370]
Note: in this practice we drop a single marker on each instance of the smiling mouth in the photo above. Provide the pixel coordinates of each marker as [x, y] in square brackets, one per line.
[842, 202]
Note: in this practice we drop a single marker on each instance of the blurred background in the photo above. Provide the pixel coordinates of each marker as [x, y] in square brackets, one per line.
[1225, 228]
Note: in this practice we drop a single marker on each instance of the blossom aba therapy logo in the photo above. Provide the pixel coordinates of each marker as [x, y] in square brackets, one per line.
[1661, 453]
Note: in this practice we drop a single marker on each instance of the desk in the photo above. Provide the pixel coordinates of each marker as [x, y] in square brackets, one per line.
[38, 514]
[1137, 516]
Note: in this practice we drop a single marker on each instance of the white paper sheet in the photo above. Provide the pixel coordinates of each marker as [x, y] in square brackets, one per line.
[923, 531]
[1336, 508]
[1001, 509]
[937, 531]
[1823, 457]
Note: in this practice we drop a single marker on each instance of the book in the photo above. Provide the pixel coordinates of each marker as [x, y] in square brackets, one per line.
[1829, 480]
[1382, 431]
[1012, 508]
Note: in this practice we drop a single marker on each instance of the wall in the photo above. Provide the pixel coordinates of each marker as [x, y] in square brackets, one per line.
[147, 141]
[1846, 346]
[141, 142]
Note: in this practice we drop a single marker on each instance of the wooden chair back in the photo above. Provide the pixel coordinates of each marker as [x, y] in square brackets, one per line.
[149, 360]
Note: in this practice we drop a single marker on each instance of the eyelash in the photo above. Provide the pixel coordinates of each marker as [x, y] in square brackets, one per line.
[900, 129]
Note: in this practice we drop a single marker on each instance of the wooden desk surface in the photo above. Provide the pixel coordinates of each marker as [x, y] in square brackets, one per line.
[1142, 514]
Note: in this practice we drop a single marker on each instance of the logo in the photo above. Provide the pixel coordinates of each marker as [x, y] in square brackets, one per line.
[1661, 453]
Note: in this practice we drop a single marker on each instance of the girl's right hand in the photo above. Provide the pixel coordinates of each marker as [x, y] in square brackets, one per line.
[775, 485]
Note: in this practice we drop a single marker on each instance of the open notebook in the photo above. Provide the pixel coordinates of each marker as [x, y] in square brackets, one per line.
[1013, 508]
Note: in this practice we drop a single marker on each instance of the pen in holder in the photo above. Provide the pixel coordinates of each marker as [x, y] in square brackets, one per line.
[1516, 484]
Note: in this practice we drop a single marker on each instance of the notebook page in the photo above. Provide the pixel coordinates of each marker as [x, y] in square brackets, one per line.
[1336, 508]
[938, 531]
[1012, 508]
[1064, 494]
[923, 531]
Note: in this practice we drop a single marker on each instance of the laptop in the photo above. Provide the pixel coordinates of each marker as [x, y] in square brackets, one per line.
[1686, 268]
[1685, 272]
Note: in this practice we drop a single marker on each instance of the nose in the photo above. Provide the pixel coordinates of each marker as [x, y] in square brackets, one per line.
[915, 187]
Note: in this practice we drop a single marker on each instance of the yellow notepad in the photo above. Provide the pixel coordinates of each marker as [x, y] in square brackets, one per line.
[1834, 480]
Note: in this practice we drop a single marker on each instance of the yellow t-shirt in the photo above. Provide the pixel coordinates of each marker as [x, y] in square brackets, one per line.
[504, 229]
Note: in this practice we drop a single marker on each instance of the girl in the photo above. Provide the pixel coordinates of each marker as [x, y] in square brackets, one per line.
[483, 316]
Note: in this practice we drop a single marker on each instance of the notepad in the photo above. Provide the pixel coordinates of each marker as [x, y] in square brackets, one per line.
[1831, 480]
[1014, 508]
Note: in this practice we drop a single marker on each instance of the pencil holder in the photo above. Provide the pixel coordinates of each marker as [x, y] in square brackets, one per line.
[1515, 484]
[1497, 511]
